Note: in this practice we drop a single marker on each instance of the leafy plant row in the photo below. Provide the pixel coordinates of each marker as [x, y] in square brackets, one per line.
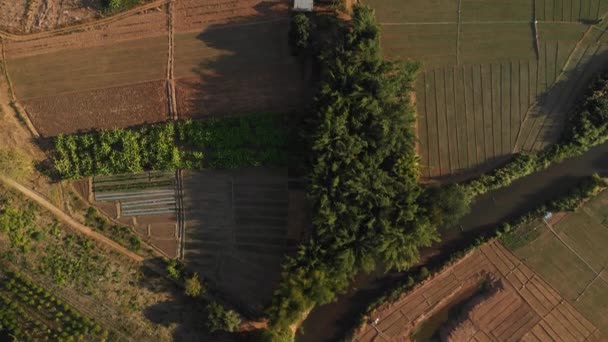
[63, 322]
[219, 143]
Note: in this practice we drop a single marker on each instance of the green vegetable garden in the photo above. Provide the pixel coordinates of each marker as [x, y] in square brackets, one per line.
[257, 140]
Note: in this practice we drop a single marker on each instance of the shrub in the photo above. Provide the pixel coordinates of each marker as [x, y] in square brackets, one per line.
[174, 270]
[299, 34]
[14, 164]
[193, 286]
[220, 319]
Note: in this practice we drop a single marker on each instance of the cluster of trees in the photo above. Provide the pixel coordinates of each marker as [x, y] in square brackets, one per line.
[587, 126]
[363, 173]
[20, 226]
[220, 143]
[69, 324]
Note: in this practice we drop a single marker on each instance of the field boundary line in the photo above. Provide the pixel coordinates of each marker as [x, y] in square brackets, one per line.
[83, 26]
[18, 110]
[65, 218]
[458, 34]
[570, 248]
[562, 73]
[590, 283]
[558, 78]
[479, 22]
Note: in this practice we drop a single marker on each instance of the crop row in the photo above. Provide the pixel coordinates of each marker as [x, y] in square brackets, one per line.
[56, 320]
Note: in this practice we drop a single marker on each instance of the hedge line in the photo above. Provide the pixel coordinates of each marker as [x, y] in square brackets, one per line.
[220, 143]
[587, 126]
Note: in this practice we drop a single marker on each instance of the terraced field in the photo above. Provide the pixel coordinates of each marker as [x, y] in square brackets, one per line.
[493, 82]
[489, 295]
[569, 252]
[237, 231]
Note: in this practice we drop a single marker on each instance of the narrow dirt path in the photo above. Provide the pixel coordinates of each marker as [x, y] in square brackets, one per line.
[63, 217]
[84, 26]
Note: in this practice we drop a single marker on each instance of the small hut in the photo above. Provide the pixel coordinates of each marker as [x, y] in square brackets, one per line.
[303, 5]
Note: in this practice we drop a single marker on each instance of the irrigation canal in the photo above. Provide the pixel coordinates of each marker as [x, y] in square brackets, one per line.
[331, 322]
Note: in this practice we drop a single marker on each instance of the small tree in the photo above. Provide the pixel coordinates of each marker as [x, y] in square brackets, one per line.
[299, 34]
[220, 319]
[194, 288]
[174, 270]
[446, 205]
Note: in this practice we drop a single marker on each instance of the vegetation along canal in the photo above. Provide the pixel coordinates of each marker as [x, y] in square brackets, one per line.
[331, 322]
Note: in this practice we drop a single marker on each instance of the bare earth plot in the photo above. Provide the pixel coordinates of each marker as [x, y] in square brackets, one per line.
[109, 76]
[36, 15]
[238, 230]
[488, 88]
[570, 254]
[487, 296]
[231, 57]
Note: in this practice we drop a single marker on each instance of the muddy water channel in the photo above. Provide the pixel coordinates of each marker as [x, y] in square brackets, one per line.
[331, 322]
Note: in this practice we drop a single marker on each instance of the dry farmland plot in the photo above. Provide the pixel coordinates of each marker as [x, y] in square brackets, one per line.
[109, 76]
[235, 68]
[571, 256]
[237, 231]
[514, 304]
[147, 202]
[487, 89]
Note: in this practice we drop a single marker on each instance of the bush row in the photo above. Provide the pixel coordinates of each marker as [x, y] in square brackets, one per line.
[220, 143]
[587, 126]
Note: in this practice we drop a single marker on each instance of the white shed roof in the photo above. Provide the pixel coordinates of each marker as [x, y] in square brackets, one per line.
[303, 5]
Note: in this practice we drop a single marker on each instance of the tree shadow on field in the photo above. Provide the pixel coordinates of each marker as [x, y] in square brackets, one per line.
[248, 69]
[185, 314]
[561, 100]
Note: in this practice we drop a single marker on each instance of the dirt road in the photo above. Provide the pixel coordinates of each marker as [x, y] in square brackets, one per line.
[63, 217]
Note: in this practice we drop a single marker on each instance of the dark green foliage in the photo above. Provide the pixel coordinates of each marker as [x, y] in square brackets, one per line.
[299, 34]
[445, 205]
[220, 143]
[220, 319]
[587, 188]
[363, 173]
[235, 142]
[117, 151]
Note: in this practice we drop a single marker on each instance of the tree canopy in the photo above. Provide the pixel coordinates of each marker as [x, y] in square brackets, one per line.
[363, 173]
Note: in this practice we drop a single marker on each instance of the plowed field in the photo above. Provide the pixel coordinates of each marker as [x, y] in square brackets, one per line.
[489, 295]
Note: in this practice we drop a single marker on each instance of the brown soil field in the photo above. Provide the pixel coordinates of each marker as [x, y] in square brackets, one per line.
[39, 15]
[145, 24]
[191, 15]
[99, 67]
[99, 109]
[237, 225]
[237, 69]
[500, 299]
